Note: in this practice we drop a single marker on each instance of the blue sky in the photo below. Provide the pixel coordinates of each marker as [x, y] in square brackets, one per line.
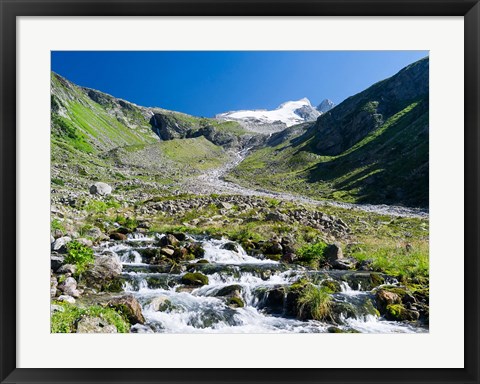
[204, 83]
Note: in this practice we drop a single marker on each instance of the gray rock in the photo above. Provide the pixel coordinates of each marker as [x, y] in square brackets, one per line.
[223, 205]
[106, 267]
[276, 216]
[95, 325]
[101, 189]
[56, 261]
[167, 251]
[95, 233]
[69, 287]
[161, 303]
[53, 286]
[56, 308]
[230, 246]
[67, 268]
[333, 253]
[68, 299]
[60, 245]
[86, 242]
[344, 264]
[139, 328]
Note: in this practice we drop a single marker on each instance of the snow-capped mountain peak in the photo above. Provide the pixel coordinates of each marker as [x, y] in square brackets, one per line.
[285, 115]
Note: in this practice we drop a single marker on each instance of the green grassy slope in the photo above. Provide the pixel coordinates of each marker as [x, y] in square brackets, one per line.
[90, 121]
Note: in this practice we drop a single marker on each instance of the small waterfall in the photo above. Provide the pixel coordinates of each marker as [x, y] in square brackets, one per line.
[170, 307]
[215, 252]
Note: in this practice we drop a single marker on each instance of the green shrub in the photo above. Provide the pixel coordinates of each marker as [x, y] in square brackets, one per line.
[80, 255]
[66, 321]
[312, 254]
[57, 224]
[58, 181]
[127, 222]
[315, 302]
[99, 206]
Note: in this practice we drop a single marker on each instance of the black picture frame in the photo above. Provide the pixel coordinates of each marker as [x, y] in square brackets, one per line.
[9, 10]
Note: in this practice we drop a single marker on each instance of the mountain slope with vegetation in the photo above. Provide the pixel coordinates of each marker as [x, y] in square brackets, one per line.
[373, 147]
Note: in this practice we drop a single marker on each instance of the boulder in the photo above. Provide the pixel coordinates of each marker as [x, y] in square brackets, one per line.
[274, 248]
[161, 304]
[385, 298]
[138, 328]
[289, 257]
[180, 236]
[56, 308]
[56, 261]
[223, 205]
[53, 286]
[67, 268]
[69, 287]
[333, 253]
[96, 234]
[397, 312]
[230, 246]
[234, 290]
[168, 239]
[118, 236]
[194, 279]
[275, 300]
[344, 264]
[90, 324]
[106, 268]
[167, 251]
[85, 242]
[196, 250]
[60, 245]
[277, 216]
[101, 189]
[129, 306]
[66, 298]
[235, 302]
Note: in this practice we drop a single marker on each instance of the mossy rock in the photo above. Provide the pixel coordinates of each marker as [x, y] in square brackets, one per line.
[114, 286]
[235, 302]
[376, 279]
[194, 279]
[298, 285]
[230, 290]
[332, 285]
[397, 312]
[203, 261]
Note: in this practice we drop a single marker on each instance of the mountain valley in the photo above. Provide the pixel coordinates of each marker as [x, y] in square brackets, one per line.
[298, 219]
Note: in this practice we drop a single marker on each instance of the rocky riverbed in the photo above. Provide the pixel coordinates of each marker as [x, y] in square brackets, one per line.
[178, 283]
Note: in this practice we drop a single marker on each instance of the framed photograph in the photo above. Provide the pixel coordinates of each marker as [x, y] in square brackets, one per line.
[233, 188]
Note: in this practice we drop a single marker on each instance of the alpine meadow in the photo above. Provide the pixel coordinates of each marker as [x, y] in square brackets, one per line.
[302, 218]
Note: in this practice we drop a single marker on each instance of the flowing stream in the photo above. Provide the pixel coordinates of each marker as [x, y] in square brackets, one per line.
[171, 307]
